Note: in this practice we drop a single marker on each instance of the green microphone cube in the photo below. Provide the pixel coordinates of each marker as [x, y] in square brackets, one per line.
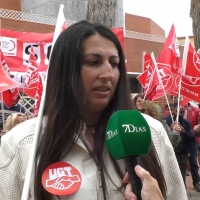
[128, 134]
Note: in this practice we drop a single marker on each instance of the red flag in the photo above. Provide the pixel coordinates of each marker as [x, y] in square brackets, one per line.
[145, 65]
[38, 97]
[142, 78]
[32, 76]
[119, 32]
[184, 101]
[151, 93]
[6, 82]
[145, 61]
[170, 54]
[146, 76]
[166, 80]
[175, 88]
[152, 79]
[191, 60]
[190, 88]
[9, 96]
[165, 74]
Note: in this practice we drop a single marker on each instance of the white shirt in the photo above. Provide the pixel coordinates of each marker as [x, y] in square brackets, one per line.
[14, 154]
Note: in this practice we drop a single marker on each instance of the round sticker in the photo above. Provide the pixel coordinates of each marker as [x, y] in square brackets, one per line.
[61, 179]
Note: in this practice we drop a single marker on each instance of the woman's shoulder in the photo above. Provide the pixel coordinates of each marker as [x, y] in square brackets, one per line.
[21, 135]
[153, 123]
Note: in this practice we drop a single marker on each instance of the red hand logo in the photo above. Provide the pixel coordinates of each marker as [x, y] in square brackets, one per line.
[63, 182]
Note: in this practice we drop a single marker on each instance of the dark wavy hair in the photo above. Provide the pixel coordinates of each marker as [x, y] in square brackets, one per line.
[64, 100]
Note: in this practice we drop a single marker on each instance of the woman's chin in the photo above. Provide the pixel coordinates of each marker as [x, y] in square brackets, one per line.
[100, 106]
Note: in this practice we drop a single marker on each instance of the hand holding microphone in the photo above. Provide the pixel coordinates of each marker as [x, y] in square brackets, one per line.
[150, 189]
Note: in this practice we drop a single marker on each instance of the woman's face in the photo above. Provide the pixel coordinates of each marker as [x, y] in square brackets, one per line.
[19, 120]
[139, 99]
[99, 71]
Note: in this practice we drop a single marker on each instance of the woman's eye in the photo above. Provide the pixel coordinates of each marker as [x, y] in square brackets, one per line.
[114, 64]
[93, 62]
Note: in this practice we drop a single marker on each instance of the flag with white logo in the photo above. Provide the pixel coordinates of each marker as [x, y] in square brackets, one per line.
[170, 54]
[32, 76]
[6, 82]
[191, 60]
[9, 96]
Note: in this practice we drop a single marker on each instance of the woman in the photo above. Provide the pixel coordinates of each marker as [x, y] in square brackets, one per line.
[86, 81]
[13, 120]
[137, 99]
[152, 110]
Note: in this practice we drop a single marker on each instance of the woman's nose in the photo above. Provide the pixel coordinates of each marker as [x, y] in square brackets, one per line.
[107, 72]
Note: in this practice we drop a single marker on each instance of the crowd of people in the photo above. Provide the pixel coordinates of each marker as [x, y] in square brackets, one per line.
[86, 84]
[183, 134]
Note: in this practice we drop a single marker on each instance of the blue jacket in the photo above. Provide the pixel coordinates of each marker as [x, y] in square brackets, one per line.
[186, 138]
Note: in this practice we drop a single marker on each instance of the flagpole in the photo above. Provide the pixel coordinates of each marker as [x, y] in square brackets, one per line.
[2, 109]
[22, 99]
[178, 106]
[2, 104]
[25, 193]
[160, 81]
[184, 61]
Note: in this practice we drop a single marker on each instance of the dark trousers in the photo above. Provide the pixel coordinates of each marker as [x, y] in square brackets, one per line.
[182, 162]
[193, 151]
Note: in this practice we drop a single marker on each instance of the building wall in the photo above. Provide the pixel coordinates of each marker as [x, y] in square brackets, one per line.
[18, 25]
[134, 49]
[142, 25]
[137, 23]
[10, 4]
[156, 29]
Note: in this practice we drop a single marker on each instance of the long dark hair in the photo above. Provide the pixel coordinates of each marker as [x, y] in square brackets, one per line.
[65, 97]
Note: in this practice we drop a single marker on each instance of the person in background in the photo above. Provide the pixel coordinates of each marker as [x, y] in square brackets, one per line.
[86, 84]
[192, 115]
[154, 110]
[187, 138]
[197, 134]
[137, 99]
[167, 111]
[13, 120]
[15, 108]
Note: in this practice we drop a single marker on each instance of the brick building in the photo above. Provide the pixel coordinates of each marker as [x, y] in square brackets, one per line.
[141, 34]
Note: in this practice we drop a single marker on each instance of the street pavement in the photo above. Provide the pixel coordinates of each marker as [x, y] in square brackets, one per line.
[192, 194]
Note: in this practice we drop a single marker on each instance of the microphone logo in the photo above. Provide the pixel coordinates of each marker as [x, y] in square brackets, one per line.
[131, 128]
[111, 134]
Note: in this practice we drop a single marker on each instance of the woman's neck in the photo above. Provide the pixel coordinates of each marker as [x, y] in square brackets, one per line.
[91, 118]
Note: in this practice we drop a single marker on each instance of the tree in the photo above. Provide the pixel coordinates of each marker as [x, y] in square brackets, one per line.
[102, 11]
[195, 15]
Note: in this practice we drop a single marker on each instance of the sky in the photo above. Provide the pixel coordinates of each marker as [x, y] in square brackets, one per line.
[164, 13]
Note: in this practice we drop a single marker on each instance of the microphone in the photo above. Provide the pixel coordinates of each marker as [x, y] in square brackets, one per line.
[128, 136]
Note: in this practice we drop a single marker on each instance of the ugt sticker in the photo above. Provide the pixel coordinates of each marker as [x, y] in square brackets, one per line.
[61, 179]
